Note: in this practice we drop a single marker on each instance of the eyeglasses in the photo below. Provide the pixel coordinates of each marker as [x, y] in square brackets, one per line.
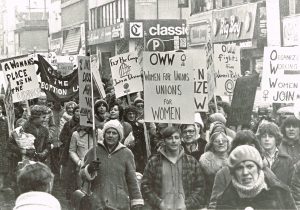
[189, 131]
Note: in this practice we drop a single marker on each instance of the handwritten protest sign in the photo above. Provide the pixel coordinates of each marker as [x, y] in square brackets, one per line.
[56, 87]
[227, 68]
[200, 79]
[126, 73]
[85, 91]
[9, 108]
[20, 72]
[96, 75]
[168, 87]
[281, 74]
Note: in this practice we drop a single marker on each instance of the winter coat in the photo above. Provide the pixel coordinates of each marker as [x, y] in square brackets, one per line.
[196, 154]
[277, 196]
[295, 184]
[283, 168]
[222, 180]
[210, 164]
[293, 150]
[192, 181]
[115, 184]
[65, 138]
[4, 138]
[41, 142]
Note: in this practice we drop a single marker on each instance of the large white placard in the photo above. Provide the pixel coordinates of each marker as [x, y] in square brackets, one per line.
[227, 67]
[281, 74]
[126, 73]
[168, 87]
[21, 74]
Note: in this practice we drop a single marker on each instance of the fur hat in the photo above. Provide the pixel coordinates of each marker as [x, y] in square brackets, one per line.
[116, 125]
[244, 153]
[37, 201]
[217, 117]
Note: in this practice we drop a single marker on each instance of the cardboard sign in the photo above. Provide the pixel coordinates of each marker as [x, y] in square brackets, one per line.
[168, 87]
[85, 91]
[243, 100]
[126, 74]
[281, 74]
[20, 72]
[200, 79]
[9, 108]
[96, 75]
[227, 66]
[56, 87]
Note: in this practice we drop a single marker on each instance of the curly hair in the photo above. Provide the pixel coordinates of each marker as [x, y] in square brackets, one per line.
[37, 110]
[269, 128]
[121, 110]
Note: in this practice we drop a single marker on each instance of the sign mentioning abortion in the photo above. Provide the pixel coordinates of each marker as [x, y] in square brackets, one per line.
[227, 68]
[200, 79]
[85, 91]
[126, 74]
[281, 74]
[168, 87]
[20, 72]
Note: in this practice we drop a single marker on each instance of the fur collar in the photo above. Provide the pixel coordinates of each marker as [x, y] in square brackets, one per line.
[211, 163]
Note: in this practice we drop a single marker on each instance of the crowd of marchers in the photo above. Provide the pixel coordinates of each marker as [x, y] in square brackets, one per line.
[127, 163]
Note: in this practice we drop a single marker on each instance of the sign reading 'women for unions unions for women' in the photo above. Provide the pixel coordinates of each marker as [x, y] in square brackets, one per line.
[168, 87]
[281, 74]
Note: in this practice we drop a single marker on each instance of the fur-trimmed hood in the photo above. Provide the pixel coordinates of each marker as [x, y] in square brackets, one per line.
[211, 163]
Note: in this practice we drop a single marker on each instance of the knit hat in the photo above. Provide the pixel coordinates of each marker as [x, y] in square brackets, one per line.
[244, 153]
[138, 100]
[217, 117]
[70, 103]
[99, 102]
[198, 119]
[37, 201]
[217, 127]
[116, 125]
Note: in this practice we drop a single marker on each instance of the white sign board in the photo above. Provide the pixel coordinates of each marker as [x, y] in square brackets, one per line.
[168, 87]
[227, 64]
[126, 74]
[85, 91]
[281, 74]
[21, 73]
[200, 79]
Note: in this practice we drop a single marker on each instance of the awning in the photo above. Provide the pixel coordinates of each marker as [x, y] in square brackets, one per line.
[71, 45]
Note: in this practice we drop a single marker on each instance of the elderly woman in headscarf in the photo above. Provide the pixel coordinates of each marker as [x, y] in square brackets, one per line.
[67, 115]
[215, 157]
[250, 188]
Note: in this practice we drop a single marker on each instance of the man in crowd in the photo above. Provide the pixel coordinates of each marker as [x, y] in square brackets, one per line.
[173, 179]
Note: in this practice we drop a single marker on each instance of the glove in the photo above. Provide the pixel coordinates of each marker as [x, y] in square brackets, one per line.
[94, 166]
[30, 153]
[41, 156]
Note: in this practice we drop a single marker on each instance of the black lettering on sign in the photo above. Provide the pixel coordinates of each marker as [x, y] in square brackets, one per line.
[284, 96]
[166, 113]
[199, 104]
[166, 59]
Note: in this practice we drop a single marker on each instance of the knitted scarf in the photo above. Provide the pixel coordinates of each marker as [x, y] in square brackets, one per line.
[251, 191]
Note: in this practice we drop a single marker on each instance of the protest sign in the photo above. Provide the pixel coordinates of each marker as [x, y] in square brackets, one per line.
[126, 74]
[168, 87]
[200, 79]
[56, 87]
[211, 81]
[96, 75]
[85, 91]
[20, 72]
[9, 108]
[281, 74]
[243, 100]
[227, 68]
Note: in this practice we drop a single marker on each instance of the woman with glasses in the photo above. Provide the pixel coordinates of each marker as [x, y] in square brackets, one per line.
[214, 158]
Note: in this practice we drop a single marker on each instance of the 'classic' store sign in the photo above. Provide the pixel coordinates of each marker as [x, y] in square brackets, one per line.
[234, 23]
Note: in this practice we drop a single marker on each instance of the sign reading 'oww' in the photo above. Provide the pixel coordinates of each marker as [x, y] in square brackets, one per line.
[281, 74]
[168, 87]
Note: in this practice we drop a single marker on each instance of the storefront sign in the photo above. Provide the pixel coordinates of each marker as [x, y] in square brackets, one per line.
[198, 33]
[234, 23]
[168, 87]
[281, 74]
[291, 31]
[56, 44]
[118, 31]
